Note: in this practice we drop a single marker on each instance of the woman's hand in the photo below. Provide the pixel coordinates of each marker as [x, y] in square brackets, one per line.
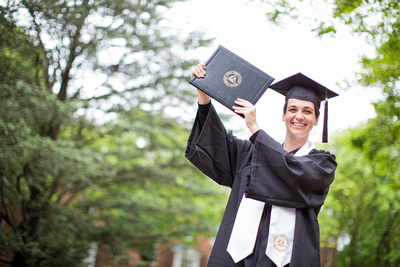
[249, 111]
[200, 72]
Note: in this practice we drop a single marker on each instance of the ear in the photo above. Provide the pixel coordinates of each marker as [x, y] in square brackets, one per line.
[316, 122]
[283, 116]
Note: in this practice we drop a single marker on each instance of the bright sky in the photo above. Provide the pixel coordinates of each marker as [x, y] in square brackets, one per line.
[243, 28]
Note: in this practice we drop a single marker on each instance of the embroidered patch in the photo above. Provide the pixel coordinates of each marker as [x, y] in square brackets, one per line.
[281, 243]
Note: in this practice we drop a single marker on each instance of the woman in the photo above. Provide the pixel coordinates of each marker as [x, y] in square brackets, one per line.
[277, 189]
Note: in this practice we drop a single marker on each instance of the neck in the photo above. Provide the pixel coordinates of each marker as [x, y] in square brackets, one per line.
[291, 144]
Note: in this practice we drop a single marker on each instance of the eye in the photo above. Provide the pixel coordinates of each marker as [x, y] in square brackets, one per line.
[308, 111]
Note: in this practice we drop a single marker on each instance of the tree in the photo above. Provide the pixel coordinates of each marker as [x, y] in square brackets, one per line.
[361, 210]
[155, 194]
[78, 152]
[33, 166]
[378, 140]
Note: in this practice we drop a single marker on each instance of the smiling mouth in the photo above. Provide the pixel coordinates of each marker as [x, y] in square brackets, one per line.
[299, 124]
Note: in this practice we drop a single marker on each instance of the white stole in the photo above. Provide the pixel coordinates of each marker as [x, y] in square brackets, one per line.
[281, 229]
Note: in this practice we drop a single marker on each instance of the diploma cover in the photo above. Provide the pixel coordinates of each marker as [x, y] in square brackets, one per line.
[229, 77]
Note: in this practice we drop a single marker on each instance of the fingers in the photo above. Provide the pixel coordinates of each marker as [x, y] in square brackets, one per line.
[243, 106]
[243, 102]
[201, 63]
[247, 109]
[199, 70]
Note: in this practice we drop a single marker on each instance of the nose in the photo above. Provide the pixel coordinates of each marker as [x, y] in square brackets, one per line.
[299, 115]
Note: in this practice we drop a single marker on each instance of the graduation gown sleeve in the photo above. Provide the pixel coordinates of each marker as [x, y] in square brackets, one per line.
[216, 152]
[282, 179]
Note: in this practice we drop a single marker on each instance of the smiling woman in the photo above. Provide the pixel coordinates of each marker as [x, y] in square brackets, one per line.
[301, 87]
[299, 118]
[277, 189]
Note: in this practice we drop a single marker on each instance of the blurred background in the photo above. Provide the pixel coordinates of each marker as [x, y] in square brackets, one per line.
[96, 109]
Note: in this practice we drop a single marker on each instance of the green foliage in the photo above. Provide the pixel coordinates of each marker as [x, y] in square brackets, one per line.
[385, 68]
[379, 22]
[325, 28]
[34, 171]
[155, 195]
[95, 161]
[281, 9]
[380, 140]
[373, 235]
[362, 209]
[346, 7]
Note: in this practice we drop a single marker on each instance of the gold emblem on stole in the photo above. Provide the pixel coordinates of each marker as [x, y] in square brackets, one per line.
[232, 78]
[281, 243]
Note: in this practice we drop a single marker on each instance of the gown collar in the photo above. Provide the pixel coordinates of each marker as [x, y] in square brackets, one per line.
[304, 150]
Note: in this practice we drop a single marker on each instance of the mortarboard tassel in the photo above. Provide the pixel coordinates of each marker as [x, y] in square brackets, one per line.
[325, 130]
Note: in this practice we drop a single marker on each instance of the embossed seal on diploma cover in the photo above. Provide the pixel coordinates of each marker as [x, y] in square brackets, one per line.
[229, 77]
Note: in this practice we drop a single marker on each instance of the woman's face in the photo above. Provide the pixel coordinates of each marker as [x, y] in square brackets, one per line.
[299, 117]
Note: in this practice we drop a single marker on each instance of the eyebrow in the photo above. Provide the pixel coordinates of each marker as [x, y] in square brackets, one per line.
[295, 106]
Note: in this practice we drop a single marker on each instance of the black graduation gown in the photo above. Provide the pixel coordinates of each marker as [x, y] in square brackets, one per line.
[266, 172]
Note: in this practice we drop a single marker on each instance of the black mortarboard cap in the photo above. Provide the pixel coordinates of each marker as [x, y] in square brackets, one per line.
[301, 87]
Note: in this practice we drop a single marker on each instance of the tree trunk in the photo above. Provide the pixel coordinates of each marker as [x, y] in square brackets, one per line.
[18, 261]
